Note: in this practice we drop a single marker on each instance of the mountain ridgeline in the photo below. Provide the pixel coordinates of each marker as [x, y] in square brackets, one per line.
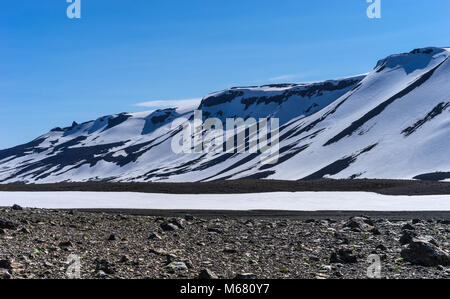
[392, 123]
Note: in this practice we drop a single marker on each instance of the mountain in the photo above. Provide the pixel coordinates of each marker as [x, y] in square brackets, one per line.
[392, 123]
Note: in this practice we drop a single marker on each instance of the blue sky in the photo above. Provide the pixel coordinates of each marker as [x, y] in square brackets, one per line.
[54, 70]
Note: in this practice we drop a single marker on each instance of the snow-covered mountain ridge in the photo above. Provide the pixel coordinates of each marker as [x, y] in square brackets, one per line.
[393, 122]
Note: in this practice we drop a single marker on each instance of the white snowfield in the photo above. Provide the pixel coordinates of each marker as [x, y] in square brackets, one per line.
[280, 201]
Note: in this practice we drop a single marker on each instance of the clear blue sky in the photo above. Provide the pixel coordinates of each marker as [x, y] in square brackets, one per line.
[54, 70]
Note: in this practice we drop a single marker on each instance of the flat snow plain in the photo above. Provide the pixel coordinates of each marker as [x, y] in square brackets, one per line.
[280, 201]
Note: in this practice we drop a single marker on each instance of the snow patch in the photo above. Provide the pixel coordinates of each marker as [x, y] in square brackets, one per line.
[284, 201]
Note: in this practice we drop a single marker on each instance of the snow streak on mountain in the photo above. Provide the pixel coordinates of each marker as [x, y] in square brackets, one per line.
[393, 122]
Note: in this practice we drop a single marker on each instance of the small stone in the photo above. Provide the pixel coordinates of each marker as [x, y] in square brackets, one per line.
[375, 231]
[408, 227]
[102, 274]
[314, 258]
[167, 226]
[207, 274]
[177, 222]
[170, 258]
[154, 236]
[230, 251]
[112, 237]
[4, 274]
[124, 259]
[105, 266]
[189, 218]
[381, 247]
[359, 224]
[214, 230]
[24, 231]
[65, 244]
[345, 256]
[177, 266]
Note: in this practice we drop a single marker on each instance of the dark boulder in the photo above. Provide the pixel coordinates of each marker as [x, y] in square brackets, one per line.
[207, 274]
[8, 224]
[423, 252]
[344, 256]
[407, 237]
[16, 208]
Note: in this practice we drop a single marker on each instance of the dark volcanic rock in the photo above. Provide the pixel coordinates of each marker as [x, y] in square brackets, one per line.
[375, 231]
[5, 264]
[344, 256]
[422, 252]
[207, 274]
[177, 222]
[154, 236]
[105, 266]
[408, 227]
[16, 208]
[4, 274]
[407, 237]
[65, 244]
[167, 226]
[8, 224]
[177, 266]
[359, 224]
[189, 218]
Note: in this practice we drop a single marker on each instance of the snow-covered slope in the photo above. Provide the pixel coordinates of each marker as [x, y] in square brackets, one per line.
[393, 122]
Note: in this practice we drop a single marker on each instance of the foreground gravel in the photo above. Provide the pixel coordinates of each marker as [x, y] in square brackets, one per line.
[38, 243]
